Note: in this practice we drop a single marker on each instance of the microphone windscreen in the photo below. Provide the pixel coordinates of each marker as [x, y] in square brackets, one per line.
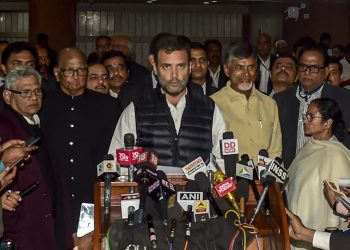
[279, 160]
[129, 140]
[108, 157]
[161, 175]
[242, 189]
[202, 181]
[228, 135]
[245, 158]
[263, 152]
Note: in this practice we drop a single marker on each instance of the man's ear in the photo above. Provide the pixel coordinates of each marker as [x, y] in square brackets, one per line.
[7, 96]
[56, 72]
[3, 67]
[226, 70]
[327, 73]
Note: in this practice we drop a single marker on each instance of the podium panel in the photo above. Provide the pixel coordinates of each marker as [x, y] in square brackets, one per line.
[273, 229]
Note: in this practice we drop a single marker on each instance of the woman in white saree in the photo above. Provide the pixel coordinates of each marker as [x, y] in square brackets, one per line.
[323, 157]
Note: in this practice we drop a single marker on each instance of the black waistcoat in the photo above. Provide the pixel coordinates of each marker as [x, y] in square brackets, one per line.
[156, 130]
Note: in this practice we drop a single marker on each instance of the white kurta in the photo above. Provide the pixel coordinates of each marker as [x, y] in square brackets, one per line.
[316, 161]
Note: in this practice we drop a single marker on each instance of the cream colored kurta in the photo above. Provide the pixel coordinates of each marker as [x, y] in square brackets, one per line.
[254, 122]
[316, 161]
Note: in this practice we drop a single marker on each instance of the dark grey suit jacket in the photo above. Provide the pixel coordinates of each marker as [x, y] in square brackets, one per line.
[339, 241]
[288, 110]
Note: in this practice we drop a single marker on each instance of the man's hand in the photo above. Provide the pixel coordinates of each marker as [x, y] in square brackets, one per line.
[346, 191]
[6, 177]
[11, 143]
[297, 230]
[12, 153]
[10, 200]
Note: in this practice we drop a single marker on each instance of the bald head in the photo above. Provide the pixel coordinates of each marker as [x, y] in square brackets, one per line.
[263, 46]
[71, 71]
[122, 43]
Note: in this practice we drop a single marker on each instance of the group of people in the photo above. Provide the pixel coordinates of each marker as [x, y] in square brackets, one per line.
[180, 108]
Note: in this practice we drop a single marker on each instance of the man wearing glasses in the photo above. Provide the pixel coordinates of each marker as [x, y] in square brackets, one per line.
[31, 220]
[78, 124]
[98, 79]
[250, 114]
[293, 103]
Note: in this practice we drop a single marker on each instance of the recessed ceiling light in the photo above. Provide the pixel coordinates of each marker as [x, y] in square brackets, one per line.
[206, 2]
[149, 2]
[214, 1]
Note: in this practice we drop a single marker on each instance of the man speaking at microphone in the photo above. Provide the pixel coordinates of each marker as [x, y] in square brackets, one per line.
[251, 115]
[178, 123]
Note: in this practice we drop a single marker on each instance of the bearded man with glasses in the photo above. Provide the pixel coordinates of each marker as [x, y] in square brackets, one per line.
[78, 124]
[293, 103]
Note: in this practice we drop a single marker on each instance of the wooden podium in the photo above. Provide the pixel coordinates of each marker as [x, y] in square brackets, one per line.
[273, 229]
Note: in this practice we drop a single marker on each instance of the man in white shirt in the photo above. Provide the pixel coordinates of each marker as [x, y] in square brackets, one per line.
[176, 121]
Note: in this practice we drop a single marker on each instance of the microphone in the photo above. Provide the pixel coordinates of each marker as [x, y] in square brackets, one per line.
[242, 195]
[129, 143]
[129, 203]
[145, 175]
[194, 167]
[263, 161]
[152, 231]
[188, 223]
[107, 170]
[229, 152]
[274, 172]
[225, 188]
[245, 170]
[204, 185]
[127, 158]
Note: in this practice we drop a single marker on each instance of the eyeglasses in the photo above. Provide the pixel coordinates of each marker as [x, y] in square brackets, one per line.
[70, 72]
[241, 68]
[28, 93]
[310, 117]
[93, 77]
[313, 68]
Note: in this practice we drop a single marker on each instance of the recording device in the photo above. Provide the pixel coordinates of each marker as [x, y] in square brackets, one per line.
[30, 142]
[145, 176]
[194, 167]
[229, 152]
[271, 175]
[107, 171]
[225, 188]
[152, 231]
[29, 189]
[204, 185]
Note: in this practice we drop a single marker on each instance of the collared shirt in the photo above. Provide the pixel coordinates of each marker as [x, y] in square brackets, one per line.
[31, 122]
[127, 124]
[113, 94]
[321, 240]
[215, 76]
[264, 74]
[154, 80]
[204, 87]
[346, 69]
[254, 122]
[301, 138]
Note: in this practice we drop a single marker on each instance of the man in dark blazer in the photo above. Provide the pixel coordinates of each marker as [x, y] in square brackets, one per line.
[199, 69]
[216, 70]
[265, 61]
[292, 103]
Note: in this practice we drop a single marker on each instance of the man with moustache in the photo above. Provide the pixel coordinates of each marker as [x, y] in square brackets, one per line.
[214, 51]
[199, 71]
[283, 73]
[78, 124]
[102, 45]
[176, 122]
[293, 103]
[118, 70]
[250, 114]
[98, 79]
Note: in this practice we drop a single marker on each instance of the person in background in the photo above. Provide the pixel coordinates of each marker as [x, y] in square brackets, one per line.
[98, 78]
[335, 70]
[102, 45]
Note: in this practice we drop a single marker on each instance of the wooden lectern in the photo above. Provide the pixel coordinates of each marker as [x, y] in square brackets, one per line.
[273, 229]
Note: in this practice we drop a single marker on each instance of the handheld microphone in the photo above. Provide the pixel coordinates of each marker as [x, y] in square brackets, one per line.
[263, 162]
[246, 174]
[229, 152]
[107, 169]
[152, 231]
[188, 223]
[163, 197]
[204, 185]
[146, 175]
[194, 167]
[129, 143]
[225, 188]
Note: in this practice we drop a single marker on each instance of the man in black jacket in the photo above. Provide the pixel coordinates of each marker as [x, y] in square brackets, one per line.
[178, 123]
[293, 103]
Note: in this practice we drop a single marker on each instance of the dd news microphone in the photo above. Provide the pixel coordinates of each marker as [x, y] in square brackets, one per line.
[107, 171]
[145, 175]
[229, 151]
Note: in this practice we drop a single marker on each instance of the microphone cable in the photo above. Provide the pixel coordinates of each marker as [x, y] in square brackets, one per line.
[244, 227]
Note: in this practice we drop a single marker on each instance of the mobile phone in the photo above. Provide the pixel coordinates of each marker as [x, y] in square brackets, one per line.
[29, 189]
[31, 141]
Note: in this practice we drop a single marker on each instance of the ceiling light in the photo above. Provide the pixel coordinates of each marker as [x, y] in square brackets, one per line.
[206, 2]
[214, 1]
